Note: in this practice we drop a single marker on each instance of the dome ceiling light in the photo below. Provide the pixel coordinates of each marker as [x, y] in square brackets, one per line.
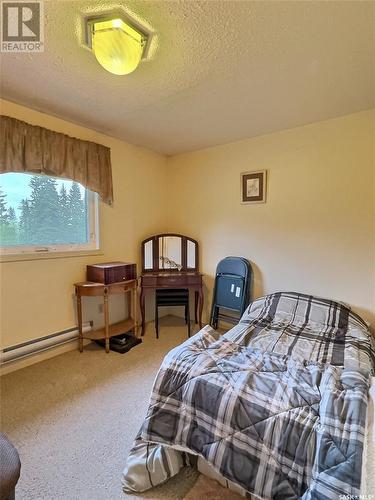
[117, 44]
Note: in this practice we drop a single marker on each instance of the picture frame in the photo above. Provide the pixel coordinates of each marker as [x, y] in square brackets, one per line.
[254, 187]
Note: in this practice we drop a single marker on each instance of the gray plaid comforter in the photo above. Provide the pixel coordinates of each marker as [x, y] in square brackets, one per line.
[277, 406]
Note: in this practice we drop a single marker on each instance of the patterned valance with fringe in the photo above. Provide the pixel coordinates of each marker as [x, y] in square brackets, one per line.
[32, 149]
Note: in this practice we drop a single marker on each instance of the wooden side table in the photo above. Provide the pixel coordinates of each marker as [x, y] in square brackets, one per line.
[91, 289]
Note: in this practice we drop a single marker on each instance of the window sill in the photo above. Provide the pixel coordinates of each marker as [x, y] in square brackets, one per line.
[19, 257]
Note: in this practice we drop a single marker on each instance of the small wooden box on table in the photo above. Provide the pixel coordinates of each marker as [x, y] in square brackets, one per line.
[95, 289]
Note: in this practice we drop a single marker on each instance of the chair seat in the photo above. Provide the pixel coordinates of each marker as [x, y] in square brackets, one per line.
[167, 303]
[172, 292]
[170, 297]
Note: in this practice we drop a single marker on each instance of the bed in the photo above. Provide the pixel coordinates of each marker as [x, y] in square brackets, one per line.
[275, 408]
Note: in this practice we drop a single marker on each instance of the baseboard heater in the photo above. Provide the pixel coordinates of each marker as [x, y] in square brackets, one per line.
[35, 346]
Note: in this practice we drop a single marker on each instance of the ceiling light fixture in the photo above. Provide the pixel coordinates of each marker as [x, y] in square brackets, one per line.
[118, 46]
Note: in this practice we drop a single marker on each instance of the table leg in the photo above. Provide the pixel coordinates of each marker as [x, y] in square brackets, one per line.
[133, 299]
[142, 307]
[79, 314]
[106, 321]
[200, 293]
[128, 297]
[196, 306]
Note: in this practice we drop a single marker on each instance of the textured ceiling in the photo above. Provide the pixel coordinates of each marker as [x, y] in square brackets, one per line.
[218, 71]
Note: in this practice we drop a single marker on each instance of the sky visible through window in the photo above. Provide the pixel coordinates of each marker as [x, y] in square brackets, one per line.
[40, 210]
[16, 187]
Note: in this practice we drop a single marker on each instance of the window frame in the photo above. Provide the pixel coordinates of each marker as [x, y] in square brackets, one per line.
[21, 252]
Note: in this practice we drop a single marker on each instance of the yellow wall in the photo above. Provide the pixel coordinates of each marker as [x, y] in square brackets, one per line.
[315, 234]
[37, 296]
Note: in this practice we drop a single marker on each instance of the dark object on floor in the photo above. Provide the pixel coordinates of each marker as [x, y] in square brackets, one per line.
[121, 343]
[165, 297]
[10, 467]
[231, 290]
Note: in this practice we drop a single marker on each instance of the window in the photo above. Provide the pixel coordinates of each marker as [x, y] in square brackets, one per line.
[39, 213]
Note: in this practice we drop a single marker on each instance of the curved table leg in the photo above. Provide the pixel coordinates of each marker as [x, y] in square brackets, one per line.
[106, 320]
[196, 306]
[79, 314]
[142, 307]
[200, 294]
[133, 301]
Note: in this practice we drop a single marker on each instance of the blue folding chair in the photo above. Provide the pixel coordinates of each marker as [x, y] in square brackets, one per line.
[231, 290]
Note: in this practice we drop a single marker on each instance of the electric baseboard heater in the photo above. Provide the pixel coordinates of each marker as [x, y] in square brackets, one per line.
[35, 346]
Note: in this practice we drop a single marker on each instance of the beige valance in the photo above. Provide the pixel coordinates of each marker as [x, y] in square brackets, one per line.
[28, 148]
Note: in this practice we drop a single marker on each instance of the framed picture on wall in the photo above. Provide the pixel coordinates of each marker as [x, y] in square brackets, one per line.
[254, 186]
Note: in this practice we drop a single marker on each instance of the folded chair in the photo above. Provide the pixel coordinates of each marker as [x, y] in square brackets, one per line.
[231, 290]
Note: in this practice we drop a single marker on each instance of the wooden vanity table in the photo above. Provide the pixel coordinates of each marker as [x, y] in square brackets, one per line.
[171, 261]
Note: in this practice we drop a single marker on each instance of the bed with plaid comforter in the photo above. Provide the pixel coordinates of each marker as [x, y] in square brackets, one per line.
[276, 406]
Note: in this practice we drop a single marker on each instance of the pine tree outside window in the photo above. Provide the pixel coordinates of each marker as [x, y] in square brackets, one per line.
[39, 213]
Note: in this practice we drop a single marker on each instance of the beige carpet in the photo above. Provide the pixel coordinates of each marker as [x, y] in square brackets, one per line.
[73, 419]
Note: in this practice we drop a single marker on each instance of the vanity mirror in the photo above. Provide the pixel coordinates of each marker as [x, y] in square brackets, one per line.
[169, 252]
